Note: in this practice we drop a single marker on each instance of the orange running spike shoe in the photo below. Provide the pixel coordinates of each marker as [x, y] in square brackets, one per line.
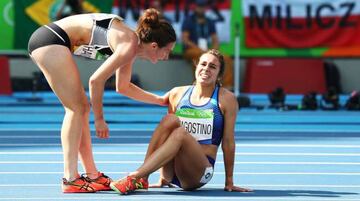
[141, 184]
[124, 185]
[79, 185]
[101, 183]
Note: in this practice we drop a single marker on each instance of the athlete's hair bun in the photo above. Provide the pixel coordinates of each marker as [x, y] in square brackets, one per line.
[150, 18]
[152, 28]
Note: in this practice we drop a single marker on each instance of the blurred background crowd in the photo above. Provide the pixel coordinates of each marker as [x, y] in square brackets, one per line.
[271, 47]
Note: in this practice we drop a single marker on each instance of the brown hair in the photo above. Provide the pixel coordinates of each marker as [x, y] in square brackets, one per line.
[220, 57]
[153, 29]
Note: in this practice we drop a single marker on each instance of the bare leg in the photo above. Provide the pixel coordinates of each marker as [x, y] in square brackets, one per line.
[167, 173]
[64, 79]
[169, 123]
[85, 151]
[180, 145]
[190, 164]
[162, 132]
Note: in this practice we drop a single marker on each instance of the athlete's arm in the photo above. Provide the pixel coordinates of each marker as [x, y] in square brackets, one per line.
[229, 106]
[119, 59]
[125, 87]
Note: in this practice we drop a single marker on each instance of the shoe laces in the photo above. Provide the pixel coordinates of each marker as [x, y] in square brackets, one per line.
[85, 184]
[96, 180]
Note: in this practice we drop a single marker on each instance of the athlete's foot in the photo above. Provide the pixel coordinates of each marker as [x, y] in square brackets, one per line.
[101, 183]
[141, 184]
[124, 186]
[79, 185]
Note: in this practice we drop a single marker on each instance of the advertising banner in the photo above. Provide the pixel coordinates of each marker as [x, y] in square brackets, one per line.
[317, 28]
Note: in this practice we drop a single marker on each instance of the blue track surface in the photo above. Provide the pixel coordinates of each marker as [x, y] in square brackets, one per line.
[289, 155]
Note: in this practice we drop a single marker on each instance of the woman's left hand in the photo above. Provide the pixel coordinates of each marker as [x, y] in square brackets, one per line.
[102, 129]
[232, 188]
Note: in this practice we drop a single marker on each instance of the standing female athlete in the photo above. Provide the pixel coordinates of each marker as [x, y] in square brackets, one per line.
[96, 36]
[185, 143]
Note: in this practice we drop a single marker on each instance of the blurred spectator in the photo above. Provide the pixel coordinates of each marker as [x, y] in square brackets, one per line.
[198, 33]
[69, 7]
[129, 5]
[159, 5]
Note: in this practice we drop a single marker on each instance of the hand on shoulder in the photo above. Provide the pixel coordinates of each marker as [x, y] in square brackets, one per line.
[175, 95]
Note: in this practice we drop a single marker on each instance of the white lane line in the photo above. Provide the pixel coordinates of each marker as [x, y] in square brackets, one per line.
[59, 145]
[296, 154]
[151, 129]
[142, 136]
[290, 185]
[58, 137]
[218, 162]
[220, 153]
[24, 129]
[221, 173]
[216, 185]
[186, 197]
[237, 145]
[301, 145]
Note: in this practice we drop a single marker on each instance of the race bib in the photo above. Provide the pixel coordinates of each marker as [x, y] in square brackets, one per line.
[89, 52]
[199, 123]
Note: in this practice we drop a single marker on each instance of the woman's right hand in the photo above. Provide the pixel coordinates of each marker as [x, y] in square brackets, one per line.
[162, 183]
[102, 129]
[164, 99]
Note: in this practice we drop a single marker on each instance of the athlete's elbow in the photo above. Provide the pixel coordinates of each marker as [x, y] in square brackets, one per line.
[228, 146]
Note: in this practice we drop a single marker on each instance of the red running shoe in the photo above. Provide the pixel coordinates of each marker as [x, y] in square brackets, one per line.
[141, 184]
[79, 185]
[101, 183]
[124, 185]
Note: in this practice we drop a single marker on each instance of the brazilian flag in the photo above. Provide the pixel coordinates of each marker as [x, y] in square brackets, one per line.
[29, 15]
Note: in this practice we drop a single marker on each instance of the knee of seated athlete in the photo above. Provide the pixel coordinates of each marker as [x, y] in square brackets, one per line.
[178, 134]
[170, 121]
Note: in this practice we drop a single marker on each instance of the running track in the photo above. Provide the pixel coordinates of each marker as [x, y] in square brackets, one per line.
[288, 155]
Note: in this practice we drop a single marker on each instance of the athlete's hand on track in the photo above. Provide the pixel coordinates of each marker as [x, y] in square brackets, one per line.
[236, 189]
[102, 129]
[162, 183]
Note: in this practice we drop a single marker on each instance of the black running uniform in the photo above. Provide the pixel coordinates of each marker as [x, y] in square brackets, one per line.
[98, 47]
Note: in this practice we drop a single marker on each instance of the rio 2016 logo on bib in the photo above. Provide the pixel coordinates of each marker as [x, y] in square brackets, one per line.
[199, 123]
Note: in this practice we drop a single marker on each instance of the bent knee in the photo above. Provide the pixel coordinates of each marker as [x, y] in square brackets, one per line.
[179, 134]
[170, 121]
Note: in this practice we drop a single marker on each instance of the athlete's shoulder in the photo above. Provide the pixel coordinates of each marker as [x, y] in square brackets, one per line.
[225, 93]
[227, 99]
[179, 89]
[125, 40]
[176, 93]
